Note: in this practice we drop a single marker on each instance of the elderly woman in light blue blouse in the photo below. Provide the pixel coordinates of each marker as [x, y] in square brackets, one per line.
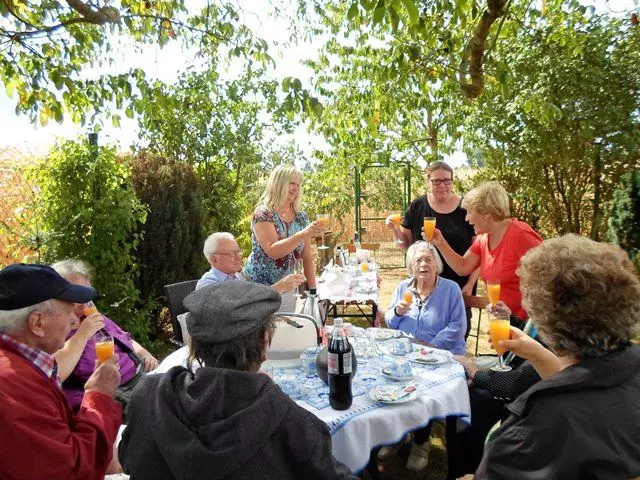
[435, 316]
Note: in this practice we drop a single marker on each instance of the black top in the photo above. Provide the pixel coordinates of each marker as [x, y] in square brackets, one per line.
[455, 229]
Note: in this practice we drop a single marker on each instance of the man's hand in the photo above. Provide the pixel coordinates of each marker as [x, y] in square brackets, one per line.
[90, 325]
[105, 378]
[289, 282]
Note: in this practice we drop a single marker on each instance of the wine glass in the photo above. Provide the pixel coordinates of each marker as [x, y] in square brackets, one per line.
[323, 219]
[493, 291]
[396, 219]
[299, 269]
[499, 329]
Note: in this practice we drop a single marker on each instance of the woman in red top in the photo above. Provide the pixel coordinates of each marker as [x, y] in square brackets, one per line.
[499, 245]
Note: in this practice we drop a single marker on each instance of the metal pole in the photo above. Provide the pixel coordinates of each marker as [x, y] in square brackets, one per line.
[356, 187]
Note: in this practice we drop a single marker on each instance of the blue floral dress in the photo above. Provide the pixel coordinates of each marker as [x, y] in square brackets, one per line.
[261, 268]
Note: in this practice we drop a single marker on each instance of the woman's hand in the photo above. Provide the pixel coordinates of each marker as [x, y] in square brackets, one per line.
[388, 222]
[470, 367]
[500, 309]
[402, 308]
[467, 289]
[90, 325]
[149, 362]
[314, 229]
[437, 239]
[523, 345]
[289, 282]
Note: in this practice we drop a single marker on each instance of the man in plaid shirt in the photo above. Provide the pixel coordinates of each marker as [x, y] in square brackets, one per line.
[40, 436]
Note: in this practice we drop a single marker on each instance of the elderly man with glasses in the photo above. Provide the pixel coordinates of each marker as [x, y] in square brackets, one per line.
[225, 257]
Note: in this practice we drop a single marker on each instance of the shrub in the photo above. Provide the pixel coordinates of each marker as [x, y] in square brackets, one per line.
[624, 220]
[90, 211]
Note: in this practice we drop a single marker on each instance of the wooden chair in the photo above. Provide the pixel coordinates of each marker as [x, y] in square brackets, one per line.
[175, 293]
[479, 302]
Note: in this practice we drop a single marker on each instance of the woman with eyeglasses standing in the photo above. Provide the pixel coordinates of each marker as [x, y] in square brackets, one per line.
[281, 234]
[444, 205]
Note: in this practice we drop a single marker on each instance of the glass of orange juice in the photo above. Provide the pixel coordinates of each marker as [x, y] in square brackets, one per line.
[407, 296]
[323, 220]
[104, 346]
[499, 329]
[429, 227]
[89, 308]
[396, 219]
[493, 291]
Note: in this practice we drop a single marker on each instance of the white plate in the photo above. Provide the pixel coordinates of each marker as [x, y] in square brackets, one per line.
[433, 356]
[407, 398]
[384, 333]
[387, 373]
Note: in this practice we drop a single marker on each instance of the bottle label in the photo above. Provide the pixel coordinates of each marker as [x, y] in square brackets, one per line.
[333, 366]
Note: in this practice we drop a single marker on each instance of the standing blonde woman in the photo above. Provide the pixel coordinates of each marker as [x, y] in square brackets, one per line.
[281, 233]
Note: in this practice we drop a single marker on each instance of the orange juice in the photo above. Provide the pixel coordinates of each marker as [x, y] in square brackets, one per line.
[429, 227]
[104, 350]
[89, 309]
[396, 219]
[364, 267]
[493, 292]
[323, 221]
[499, 329]
[407, 297]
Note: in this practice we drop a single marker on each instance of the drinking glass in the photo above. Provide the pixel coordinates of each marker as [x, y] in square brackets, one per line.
[407, 296]
[104, 346]
[429, 227]
[89, 308]
[299, 269]
[499, 329]
[493, 291]
[323, 219]
[396, 219]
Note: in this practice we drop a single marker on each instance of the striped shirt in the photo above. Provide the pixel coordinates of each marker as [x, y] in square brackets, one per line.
[42, 360]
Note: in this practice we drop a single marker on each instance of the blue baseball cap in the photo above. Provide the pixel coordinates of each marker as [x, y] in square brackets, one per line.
[23, 285]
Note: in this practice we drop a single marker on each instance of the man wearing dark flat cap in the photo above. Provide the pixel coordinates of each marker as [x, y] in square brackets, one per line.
[40, 436]
[225, 419]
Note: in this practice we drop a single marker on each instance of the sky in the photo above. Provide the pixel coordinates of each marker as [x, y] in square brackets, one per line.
[165, 63]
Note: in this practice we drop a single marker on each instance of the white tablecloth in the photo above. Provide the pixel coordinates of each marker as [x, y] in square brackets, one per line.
[367, 424]
[341, 286]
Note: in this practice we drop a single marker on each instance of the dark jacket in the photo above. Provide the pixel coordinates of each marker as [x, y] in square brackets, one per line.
[583, 423]
[222, 424]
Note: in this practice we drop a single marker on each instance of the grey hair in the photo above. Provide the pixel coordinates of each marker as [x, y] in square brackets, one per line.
[11, 321]
[212, 241]
[72, 267]
[413, 250]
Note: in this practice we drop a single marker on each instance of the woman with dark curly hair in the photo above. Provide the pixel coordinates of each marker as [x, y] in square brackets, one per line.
[581, 421]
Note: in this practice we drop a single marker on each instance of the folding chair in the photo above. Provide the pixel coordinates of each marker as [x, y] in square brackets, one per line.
[175, 293]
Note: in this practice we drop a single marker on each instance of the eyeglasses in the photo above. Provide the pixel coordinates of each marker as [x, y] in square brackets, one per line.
[445, 181]
[237, 253]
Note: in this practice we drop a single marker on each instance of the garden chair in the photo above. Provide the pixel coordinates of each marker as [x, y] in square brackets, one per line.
[175, 293]
[479, 302]
[293, 336]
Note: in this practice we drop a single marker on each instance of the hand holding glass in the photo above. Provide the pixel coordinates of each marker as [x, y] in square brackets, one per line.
[89, 308]
[104, 346]
[429, 227]
[396, 219]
